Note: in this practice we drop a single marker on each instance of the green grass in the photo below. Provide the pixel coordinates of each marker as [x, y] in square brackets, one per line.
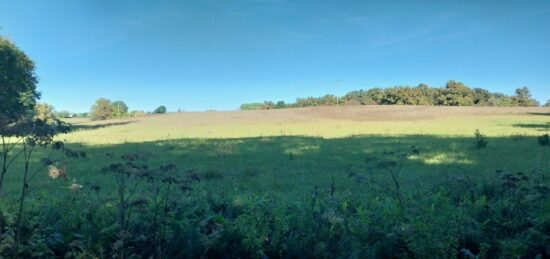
[141, 130]
[320, 148]
[323, 170]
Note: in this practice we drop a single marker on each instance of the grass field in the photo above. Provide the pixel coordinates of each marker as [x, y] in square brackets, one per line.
[286, 156]
[324, 141]
[326, 122]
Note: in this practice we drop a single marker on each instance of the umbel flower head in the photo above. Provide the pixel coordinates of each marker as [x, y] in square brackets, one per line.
[55, 172]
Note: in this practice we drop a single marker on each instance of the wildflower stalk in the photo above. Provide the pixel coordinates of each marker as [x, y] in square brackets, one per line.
[27, 152]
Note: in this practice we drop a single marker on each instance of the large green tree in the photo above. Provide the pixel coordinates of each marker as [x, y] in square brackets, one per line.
[120, 109]
[17, 84]
[45, 112]
[161, 109]
[455, 94]
[17, 96]
[20, 124]
[406, 96]
[523, 98]
[102, 109]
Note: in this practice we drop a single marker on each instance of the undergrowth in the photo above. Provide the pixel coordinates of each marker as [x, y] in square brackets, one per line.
[162, 212]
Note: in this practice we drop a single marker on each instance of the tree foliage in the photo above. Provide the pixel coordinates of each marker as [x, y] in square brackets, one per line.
[251, 106]
[104, 109]
[267, 105]
[160, 110]
[24, 125]
[280, 105]
[405, 96]
[45, 112]
[523, 98]
[120, 109]
[64, 114]
[453, 94]
[17, 84]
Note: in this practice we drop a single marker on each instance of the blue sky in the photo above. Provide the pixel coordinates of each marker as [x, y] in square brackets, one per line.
[197, 55]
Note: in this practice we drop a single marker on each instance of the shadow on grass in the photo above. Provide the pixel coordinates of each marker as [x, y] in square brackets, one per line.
[540, 113]
[79, 127]
[296, 164]
[282, 165]
[536, 126]
[298, 176]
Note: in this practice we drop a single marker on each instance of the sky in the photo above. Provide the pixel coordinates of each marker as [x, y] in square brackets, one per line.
[214, 54]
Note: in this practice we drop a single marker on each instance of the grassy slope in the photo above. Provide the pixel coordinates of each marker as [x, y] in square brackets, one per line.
[285, 154]
[326, 122]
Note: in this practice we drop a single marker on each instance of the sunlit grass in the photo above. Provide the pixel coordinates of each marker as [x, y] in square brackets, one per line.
[291, 157]
[142, 129]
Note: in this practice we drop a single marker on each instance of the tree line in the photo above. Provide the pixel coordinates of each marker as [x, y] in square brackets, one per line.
[454, 93]
[102, 109]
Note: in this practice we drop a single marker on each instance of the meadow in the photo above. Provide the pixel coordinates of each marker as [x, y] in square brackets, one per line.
[353, 181]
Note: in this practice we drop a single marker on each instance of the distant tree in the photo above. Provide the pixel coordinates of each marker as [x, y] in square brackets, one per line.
[268, 105]
[405, 96]
[63, 114]
[482, 97]
[523, 93]
[307, 102]
[547, 104]
[455, 94]
[102, 109]
[501, 100]
[328, 99]
[427, 93]
[280, 105]
[120, 109]
[523, 98]
[83, 115]
[45, 112]
[361, 97]
[161, 109]
[251, 106]
[137, 113]
[376, 95]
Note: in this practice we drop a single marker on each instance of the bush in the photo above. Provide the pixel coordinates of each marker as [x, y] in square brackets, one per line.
[160, 110]
[137, 113]
[453, 94]
[481, 140]
[544, 140]
[102, 109]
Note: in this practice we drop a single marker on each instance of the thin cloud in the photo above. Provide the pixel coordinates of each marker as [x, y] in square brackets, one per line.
[396, 39]
[98, 45]
[536, 13]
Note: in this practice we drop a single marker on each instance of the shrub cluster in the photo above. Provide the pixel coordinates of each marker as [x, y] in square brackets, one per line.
[453, 94]
[105, 109]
